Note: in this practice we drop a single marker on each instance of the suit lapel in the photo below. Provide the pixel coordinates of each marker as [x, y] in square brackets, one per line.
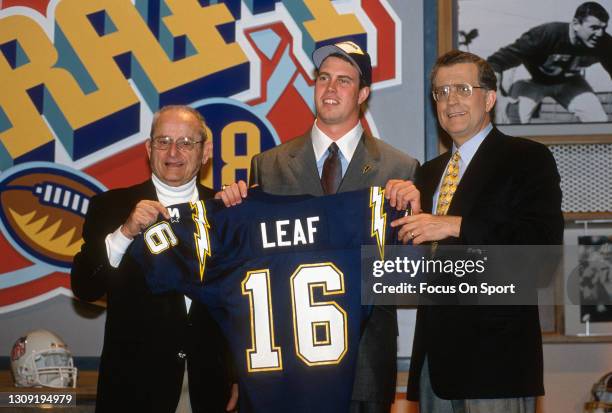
[145, 190]
[204, 193]
[481, 169]
[363, 165]
[301, 160]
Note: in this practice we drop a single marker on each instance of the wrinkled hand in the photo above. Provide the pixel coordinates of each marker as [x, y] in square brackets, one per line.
[232, 403]
[144, 214]
[401, 194]
[426, 227]
[232, 194]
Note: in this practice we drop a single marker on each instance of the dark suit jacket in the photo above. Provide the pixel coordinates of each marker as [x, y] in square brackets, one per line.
[291, 169]
[147, 337]
[509, 195]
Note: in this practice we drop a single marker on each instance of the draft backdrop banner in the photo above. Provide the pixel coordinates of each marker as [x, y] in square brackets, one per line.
[81, 79]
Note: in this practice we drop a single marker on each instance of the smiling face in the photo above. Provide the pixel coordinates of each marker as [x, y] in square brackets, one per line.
[338, 97]
[463, 117]
[171, 166]
[589, 31]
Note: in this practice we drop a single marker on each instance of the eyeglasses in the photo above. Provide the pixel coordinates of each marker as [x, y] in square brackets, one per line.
[183, 144]
[462, 89]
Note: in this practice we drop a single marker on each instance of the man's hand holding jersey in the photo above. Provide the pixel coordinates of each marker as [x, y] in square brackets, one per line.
[422, 228]
[416, 226]
[233, 194]
[403, 195]
[144, 214]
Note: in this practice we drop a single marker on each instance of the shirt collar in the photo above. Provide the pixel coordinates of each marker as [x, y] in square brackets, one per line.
[469, 147]
[347, 143]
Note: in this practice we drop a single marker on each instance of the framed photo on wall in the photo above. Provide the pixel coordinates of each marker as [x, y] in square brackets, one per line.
[556, 68]
[589, 280]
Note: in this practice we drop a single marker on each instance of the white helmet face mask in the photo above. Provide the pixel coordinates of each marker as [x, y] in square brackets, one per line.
[41, 358]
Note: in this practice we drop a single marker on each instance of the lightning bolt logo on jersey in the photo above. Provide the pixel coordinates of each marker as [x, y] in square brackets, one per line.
[281, 275]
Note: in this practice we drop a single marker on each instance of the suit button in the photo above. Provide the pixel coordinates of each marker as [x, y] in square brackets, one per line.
[181, 354]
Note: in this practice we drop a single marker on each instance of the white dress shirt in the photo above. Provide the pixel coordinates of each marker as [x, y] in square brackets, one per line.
[347, 145]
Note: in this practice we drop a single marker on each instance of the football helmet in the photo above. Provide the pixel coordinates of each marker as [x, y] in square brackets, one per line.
[41, 358]
[601, 396]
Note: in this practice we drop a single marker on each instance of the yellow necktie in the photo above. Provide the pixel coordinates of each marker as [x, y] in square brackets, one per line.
[449, 185]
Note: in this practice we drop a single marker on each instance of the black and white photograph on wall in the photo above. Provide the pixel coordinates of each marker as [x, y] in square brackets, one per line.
[553, 59]
[595, 278]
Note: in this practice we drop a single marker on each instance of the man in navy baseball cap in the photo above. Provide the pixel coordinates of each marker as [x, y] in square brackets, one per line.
[336, 154]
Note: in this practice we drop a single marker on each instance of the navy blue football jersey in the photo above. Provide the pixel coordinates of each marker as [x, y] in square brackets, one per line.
[281, 276]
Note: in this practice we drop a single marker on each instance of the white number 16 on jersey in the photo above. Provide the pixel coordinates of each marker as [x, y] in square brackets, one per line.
[319, 328]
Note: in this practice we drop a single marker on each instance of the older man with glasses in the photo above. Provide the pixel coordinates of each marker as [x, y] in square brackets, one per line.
[155, 347]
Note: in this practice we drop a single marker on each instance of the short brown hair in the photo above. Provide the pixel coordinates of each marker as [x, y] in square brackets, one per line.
[591, 8]
[183, 108]
[486, 75]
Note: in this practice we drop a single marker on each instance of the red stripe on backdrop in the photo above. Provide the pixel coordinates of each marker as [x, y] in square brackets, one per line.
[385, 42]
[38, 5]
[290, 105]
[268, 65]
[123, 169]
[11, 259]
[34, 288]
[290, 115]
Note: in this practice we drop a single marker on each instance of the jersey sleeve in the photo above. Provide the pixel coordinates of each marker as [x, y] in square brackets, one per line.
[173, 253]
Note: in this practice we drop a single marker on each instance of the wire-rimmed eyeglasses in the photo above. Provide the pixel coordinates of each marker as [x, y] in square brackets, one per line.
[461, 89]
[183, 143]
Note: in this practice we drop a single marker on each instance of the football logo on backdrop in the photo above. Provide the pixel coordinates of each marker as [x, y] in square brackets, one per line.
[42, 210]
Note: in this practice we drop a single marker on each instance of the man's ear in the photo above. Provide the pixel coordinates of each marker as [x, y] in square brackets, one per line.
[364, 92]
[206, 151]
[491, 97]
[148, 146]
[574, 23]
